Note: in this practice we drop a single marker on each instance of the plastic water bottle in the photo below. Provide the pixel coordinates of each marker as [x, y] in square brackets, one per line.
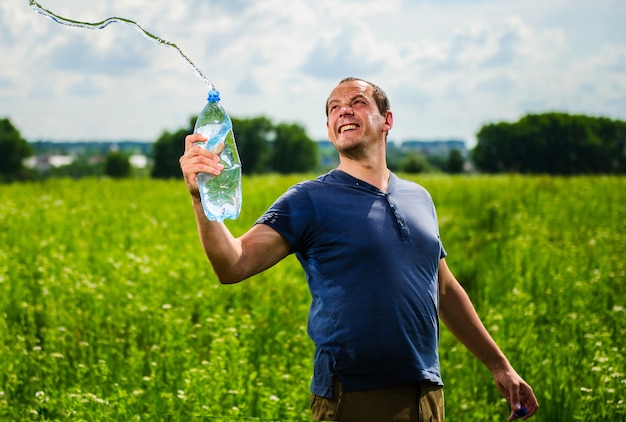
[220, 195]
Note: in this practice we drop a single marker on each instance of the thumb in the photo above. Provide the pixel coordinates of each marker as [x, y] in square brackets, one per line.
[517, 413]
[517, 410]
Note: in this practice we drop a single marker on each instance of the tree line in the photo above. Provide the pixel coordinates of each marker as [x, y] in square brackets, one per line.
[549, 143]
[552, 143]
[263, 147]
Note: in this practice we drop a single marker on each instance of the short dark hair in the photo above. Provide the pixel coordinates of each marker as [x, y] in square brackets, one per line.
[381, 99]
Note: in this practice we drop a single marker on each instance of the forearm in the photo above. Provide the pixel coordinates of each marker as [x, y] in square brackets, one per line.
[461, 318]
[458, 314]
[235, 259]
[222, 249]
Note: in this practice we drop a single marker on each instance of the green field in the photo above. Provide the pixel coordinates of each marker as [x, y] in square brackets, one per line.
[110, 310]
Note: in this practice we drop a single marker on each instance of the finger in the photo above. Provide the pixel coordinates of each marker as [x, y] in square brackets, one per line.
[219, 148]
[512, 416]
[199, 160]
[198, 153]
[190, 140]
[519, 413]
[529, 401]
[513, 398]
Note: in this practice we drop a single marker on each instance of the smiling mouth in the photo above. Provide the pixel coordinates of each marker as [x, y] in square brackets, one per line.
[345, 128]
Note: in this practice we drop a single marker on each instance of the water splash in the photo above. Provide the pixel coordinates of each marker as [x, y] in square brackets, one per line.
[99, 25]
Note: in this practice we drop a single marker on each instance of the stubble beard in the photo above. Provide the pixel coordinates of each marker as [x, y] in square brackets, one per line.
[352, 150]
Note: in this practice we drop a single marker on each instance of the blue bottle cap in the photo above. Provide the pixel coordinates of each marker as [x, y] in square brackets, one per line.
[214, 95]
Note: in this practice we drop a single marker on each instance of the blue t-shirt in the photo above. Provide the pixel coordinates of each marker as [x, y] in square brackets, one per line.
[371, 261]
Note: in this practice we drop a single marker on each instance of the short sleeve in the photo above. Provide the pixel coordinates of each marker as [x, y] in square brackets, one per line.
[291, 215]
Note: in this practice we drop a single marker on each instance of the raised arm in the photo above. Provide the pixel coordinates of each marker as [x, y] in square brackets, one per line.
[458, 314]
[233, 259]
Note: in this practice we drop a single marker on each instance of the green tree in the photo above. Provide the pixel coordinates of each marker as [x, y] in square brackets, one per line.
[294, 151]
[117, 165]
[455, 162]
[78, 169]
[491, 153]
[414, 162]
[253, 137]
[13, 150]
[167, 150]
[553, 143]
[395, 156]
[290, 151]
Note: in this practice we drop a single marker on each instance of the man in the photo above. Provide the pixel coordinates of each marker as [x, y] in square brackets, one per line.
[369, 244]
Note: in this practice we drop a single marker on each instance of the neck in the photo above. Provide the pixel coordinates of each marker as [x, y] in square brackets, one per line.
[375, 174]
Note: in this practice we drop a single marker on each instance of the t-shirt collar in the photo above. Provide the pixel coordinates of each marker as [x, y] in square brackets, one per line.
[345, 178]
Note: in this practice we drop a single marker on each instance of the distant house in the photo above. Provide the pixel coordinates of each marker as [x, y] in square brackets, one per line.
[45, 162]
[442, 147]
[139, 161]
[52, 154]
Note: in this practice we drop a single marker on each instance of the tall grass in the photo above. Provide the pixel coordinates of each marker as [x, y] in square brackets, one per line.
[110, 310]
[543, 259]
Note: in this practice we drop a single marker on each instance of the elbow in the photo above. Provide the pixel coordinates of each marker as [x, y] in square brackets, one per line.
[226, 273]
[228, 277]
[231, 272]
[228, 280]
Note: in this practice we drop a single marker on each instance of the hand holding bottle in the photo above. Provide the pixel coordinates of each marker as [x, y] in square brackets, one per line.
[198, 159]
[219, 186]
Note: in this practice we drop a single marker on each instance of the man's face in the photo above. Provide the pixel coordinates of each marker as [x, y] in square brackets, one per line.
[354, 120]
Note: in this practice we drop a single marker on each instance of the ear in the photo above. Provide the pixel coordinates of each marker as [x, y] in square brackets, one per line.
[388, 120]
[329, 133]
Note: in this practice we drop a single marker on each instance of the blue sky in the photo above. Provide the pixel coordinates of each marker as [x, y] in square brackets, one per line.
[448, 66]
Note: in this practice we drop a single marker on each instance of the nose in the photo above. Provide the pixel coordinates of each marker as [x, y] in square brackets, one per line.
[346, 110]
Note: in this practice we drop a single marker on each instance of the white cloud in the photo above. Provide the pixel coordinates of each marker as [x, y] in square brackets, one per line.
[448, 66]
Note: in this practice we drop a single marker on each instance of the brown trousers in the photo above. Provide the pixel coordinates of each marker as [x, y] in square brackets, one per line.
[413, 402]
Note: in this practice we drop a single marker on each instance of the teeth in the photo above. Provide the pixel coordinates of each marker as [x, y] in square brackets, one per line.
[347, 127]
